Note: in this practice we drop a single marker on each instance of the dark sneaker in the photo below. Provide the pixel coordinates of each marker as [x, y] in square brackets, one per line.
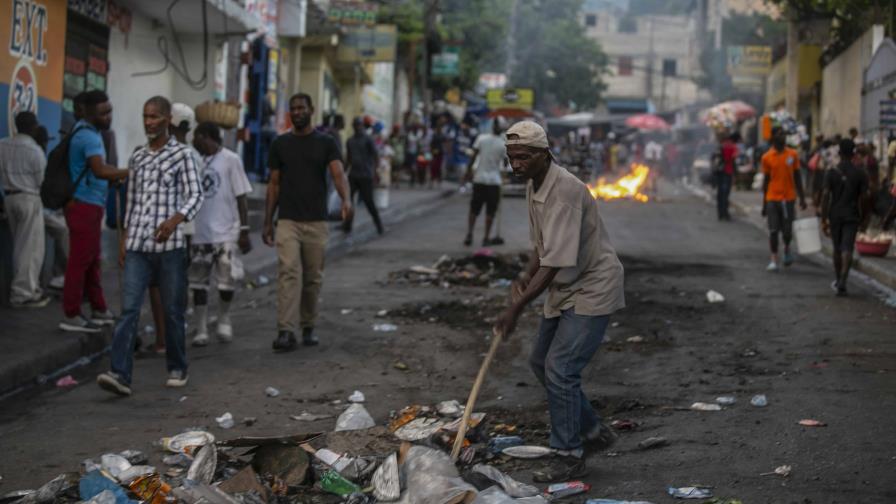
[600, 438]
[38, 301]
[468, 240]
[788, 258]
[176, 378]
[285, 341]
[79, 324]
[834, 286]
[112, 382]
[308, 337]
[841, 291]
[561, 468]
[102, 318]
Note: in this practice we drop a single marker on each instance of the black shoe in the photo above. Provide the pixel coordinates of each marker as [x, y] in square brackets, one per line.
[600, 438]
[285, 341]
[561, 468]
[468, 240]
[308, 337]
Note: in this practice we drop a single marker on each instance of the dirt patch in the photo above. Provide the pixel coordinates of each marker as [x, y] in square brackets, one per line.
[482, 269]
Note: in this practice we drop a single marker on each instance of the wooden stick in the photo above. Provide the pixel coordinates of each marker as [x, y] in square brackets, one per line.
[471, 401]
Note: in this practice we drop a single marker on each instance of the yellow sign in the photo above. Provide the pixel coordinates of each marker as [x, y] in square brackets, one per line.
[510, 98]
[749, 60]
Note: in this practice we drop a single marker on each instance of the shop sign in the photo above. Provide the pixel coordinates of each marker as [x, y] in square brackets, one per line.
[510, 98]
[367, 45]
[352, 13]
[446, 63]
[749, 60]
[888, 113]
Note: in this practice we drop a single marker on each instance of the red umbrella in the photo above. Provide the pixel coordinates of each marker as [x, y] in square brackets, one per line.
[647, 122]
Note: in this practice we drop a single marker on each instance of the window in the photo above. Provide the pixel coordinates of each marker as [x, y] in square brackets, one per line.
[669, 68]
[591, 20]
[628, 24]
[625, 65]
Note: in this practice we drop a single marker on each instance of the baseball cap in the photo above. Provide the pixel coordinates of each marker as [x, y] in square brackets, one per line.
[182, 113]
[527, 133]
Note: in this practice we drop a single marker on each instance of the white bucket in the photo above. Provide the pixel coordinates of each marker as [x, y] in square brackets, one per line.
[381, 198]
[808, 240]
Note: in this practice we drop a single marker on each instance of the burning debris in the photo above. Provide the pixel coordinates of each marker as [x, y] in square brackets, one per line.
[627, 186]
[482, 269]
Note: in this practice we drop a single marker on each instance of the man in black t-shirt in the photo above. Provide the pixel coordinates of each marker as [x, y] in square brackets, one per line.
[362, 158]
[299, 162]
[842, 211]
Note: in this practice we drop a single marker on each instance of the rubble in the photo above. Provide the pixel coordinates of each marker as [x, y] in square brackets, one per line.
[482, 269]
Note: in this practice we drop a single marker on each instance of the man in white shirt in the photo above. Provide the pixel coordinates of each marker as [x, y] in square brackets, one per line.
[221, 226]
[22, 166]
[488, 160]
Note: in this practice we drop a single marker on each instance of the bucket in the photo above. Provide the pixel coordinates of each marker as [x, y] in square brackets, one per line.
[808, 241]
[381, 198]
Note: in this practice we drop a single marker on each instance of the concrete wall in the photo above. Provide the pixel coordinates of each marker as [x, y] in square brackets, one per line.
[880, 84]
[674, 37]
[841, 86]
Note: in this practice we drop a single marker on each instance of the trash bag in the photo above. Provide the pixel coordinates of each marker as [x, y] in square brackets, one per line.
[202, 470]
[53, 489]
[355, 417]
[94, 483]
[513, 487]
[114, 464]
[430, 477]
[386, 482]
[493, 495]
[104, 497]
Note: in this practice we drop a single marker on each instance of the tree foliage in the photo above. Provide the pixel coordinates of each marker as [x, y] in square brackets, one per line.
[849, 18]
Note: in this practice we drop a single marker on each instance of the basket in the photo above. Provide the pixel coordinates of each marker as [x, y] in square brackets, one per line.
[875, 249]
[224, 114]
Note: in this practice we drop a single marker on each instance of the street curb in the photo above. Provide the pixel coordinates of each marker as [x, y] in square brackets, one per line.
[873, 271]
[77, 351]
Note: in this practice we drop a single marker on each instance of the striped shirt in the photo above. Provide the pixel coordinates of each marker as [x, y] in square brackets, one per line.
[161, 183]
[22, 164]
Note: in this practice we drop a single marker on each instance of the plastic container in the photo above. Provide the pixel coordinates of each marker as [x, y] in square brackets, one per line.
[808, 241]
[381, 198]
[874, 249]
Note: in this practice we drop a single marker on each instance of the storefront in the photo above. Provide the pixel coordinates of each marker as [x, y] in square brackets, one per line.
[31, 69]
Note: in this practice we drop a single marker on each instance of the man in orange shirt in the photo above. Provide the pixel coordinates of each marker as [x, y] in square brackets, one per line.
[782, 183]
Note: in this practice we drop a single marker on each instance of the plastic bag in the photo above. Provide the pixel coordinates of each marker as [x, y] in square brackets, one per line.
[187, 442]
[493, 495]
[386, 482]
[202, 469]
[431, 478]
[513, 487]
[104, 497]
[94, 483]
[355, 417]
[114, 464]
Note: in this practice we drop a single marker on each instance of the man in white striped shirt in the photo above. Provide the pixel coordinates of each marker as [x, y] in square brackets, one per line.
[163, 192]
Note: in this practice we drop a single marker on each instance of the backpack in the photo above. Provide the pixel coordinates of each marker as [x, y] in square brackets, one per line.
[58, 188]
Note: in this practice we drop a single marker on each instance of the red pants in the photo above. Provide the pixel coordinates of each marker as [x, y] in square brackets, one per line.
[82, 274]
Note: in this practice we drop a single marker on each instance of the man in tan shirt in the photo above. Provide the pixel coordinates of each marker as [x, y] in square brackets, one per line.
[574, 261]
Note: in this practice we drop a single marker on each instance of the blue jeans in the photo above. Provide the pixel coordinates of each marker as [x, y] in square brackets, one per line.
[169, 270]
[564, 347]
[723, 192]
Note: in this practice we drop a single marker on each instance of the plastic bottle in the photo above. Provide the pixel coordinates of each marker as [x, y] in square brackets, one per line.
[331, 481]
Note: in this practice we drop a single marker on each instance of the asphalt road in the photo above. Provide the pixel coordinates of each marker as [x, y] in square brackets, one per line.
[783, 335]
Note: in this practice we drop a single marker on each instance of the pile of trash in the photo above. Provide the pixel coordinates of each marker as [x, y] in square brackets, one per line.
[484, 268]
[404, 461]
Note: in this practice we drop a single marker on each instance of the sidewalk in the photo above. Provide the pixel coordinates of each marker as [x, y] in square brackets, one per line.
[36, 351]
[749, 205]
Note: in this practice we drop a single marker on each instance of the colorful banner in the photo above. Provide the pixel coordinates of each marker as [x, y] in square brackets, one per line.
[31, 67]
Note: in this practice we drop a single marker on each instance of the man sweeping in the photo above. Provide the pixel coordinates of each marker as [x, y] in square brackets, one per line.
[576, 263]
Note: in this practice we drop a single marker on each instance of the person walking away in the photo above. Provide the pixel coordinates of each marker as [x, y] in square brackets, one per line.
[465, 136]
[84, 215]
[299, 161]
[413, 141]
[437, 142]
[484, 170]
[817, 169]
[163, 192]
[22, 166]
[397, 142]
[844, 209]
[54, 224]
[781, 185]
[221, 227]
[574, 261]
[362, 158]
[725, 176]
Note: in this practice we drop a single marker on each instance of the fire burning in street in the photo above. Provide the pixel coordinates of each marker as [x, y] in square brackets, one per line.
[627, 186]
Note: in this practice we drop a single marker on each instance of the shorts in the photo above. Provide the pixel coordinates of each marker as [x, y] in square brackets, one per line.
[780, 216]
[843, 235]
[485, 194]
[220, 257]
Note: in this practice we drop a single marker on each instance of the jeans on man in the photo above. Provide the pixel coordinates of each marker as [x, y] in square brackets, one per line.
[564, 347]
[363, 186]
[168, 270]
[723, 191]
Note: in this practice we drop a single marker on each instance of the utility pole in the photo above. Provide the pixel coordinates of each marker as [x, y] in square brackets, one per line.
[510, 61]
[430, 11]
[650, 56]
[792, 96]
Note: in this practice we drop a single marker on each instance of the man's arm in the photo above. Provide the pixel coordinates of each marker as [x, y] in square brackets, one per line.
[468, 176]
[271, 199]
[826, 206]
[798, 180]
[103, 171]
[340, 181]
[520, 297]
[189, 183]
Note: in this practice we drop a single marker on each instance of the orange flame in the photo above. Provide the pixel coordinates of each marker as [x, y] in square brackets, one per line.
[628, 186]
